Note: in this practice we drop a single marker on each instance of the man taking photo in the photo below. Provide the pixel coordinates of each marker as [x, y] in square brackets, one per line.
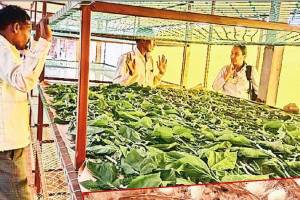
[17, 77]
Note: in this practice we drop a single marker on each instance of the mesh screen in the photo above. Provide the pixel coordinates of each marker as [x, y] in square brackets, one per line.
[122, 26]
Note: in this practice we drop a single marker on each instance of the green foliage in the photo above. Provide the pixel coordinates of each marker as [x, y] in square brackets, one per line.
[101, 121]
[152, 180]
[220, 161]
[232, 178]
[251, 153]
[145, 137]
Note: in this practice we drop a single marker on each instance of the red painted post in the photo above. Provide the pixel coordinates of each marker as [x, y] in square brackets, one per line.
[40, 118]
[37, 175]
[44, 14]
[40, 122]
[31, 7]
[40, 103]
[82, 100]
[35, 11]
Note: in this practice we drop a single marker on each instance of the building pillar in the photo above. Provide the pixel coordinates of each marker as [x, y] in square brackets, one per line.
[270, 74]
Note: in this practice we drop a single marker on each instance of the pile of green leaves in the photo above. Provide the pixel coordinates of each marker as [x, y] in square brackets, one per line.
[142, 137]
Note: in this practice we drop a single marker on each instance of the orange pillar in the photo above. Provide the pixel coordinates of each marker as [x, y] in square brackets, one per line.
[82, 102]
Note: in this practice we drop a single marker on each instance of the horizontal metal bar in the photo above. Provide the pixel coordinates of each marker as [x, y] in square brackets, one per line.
[47, 141]
[179, 41]
[188, 16]
[74, 80]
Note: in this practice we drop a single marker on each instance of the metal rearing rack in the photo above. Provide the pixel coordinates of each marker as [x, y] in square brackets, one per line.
[203, 22]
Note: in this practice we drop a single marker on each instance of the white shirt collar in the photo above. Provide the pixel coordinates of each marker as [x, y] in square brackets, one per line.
[243, 67]
[138, 53]
[4, 41]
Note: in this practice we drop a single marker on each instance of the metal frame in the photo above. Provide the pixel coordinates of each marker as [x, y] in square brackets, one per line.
[138, 11]
[188, 16]
[207, 62]
[75, 80]
[178, 41]
[80, 152]
[39, 180]
[141, 12]
[186, 52]
[40, 124]
[66, 162]
[82, 102]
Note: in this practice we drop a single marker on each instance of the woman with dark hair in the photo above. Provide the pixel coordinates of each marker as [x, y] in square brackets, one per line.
[237, 79]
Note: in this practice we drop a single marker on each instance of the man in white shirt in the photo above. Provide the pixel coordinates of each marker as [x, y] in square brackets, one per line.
[232, 79]
[17, 77]
[137, 66]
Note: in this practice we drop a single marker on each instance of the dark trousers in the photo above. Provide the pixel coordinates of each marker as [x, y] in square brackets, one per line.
[13, 179]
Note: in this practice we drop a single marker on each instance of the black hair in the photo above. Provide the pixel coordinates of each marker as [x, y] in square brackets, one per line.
[11, 14]
[242, 47]
[144, 33]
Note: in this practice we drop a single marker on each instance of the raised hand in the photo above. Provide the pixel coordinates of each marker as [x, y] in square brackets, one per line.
[46, 32]
[37, 34]
[229, 72]
[131, 66]
[162, 64]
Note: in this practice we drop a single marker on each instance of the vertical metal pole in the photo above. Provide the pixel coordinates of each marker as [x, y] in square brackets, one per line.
[40, 118]
[40, 103]
[185, 65]
[82, 101]
[105, 43]
[37, 178]
[31, 7]
[37, 174]
[186, 52]
[259, 50]
[274, 17]
[30, 116]
[98, 52]
[35, 11]
[44, 14]
[213, 8]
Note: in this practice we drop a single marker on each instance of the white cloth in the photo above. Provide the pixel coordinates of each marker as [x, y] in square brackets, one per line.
[144, 67]
[17, 78]
[236, 86]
